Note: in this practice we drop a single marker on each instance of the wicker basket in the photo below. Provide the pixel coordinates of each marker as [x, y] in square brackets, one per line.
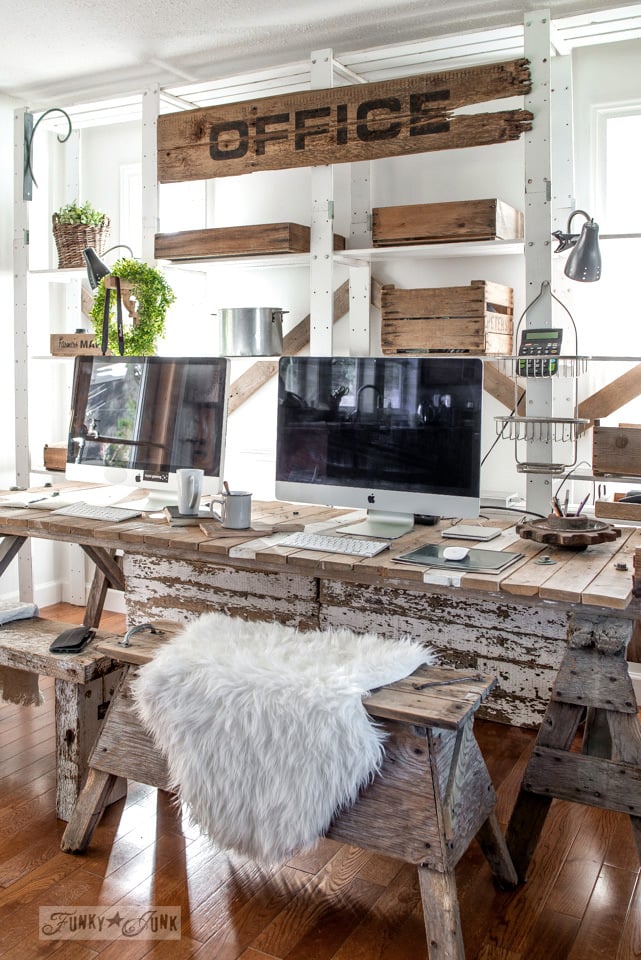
[72, 238]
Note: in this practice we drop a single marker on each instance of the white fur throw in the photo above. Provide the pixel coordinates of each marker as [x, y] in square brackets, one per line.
[263, 727]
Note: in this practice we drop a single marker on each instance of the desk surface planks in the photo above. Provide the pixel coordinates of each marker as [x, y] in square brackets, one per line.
[589, 577]
[580, 570]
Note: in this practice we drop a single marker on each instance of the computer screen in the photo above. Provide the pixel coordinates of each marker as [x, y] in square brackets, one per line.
[136, 420]
[397, 436]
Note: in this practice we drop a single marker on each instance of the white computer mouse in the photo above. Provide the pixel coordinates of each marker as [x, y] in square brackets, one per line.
[455, 553]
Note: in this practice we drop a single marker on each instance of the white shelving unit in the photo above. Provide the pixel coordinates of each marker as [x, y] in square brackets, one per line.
[538, 34]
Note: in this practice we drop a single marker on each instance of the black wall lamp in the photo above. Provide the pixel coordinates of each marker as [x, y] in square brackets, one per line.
[584, 262]
[97, 268]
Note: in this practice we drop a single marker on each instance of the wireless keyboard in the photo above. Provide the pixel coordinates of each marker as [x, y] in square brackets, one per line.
[329, 544]
[96, 511]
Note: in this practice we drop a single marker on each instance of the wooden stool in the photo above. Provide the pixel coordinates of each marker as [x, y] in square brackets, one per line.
[84, 684]
[431, 798]
[592, 685]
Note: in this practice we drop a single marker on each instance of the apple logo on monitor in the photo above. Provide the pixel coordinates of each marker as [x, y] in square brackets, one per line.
[371, 498]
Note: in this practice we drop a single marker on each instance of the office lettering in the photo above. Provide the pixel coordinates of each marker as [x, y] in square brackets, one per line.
[303, 131]
[263, 135]
[423, 118]
[363, 132]
[342, 132]
[238, 127]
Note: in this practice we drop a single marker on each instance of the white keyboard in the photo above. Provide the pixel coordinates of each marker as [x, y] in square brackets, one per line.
[328, 544]
[96, 511]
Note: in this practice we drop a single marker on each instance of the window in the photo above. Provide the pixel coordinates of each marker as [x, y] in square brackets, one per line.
[618, 151]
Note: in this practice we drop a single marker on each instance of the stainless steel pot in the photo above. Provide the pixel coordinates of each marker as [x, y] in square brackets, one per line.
[251, 331]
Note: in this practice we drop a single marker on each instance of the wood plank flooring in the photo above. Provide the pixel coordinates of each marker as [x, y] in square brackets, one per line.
[582, 900]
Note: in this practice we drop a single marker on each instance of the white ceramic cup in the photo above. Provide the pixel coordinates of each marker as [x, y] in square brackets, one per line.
[235, 509]
[190, 485]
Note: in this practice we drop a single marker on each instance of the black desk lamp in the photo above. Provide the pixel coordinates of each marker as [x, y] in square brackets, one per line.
[96, 268]
[584, 262]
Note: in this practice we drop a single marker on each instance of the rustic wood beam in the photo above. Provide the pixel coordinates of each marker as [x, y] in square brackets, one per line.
[502, 388]
[343, 124]
[613, 396]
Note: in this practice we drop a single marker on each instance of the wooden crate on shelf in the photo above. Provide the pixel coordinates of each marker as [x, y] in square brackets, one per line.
[55, 456]
[476, 319]
[617, 450]
[245, 241]
[446, 222]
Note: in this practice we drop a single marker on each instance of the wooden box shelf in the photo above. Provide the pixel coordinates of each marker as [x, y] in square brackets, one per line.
[617, 450]
[446, 222]
[245, 241]
[476, 319]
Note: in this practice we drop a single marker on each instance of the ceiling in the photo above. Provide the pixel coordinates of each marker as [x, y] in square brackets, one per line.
[58, 51]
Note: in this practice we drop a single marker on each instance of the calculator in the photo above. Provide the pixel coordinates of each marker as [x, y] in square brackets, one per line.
[538, 352]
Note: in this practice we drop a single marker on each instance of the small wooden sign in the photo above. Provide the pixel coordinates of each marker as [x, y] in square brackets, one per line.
[73, 344]
[343, 124]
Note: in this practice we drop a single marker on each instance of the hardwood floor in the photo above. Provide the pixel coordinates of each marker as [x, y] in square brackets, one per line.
[582, 900]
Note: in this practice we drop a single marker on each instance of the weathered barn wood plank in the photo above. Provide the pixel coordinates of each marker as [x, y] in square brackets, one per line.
[343, 124]
[183, 590]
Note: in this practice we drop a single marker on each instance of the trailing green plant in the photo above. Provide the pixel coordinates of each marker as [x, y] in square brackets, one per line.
[154, 296]
[81, 213]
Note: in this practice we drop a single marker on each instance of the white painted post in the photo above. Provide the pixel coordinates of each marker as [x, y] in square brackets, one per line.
[150, 226]
[538, 228]
[21, 340]
[321, 274]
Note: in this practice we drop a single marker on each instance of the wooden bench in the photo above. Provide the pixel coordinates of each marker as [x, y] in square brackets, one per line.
[432, 797]
[84, 683]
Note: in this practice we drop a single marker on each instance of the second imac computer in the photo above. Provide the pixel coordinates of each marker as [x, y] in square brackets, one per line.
[136, 420]
[397, 436]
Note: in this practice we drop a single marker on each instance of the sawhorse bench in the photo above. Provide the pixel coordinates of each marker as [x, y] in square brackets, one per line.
[592, 687]
[431, 798]
[84, 683]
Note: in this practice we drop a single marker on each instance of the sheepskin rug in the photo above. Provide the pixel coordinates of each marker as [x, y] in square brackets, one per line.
[263, 727]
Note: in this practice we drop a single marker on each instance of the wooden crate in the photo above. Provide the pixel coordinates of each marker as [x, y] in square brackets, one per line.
[617, 450]
[55, 456]
[476, 319]
[246, 241]
[73, 345]
[446, 222]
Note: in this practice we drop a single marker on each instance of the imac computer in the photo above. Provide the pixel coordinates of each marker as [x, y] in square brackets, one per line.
[397, 436]
[135, 421]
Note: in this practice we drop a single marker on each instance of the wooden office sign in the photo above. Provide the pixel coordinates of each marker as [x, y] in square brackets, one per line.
[343, 124]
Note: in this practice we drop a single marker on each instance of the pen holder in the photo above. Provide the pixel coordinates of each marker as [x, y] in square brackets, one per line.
[568, 523]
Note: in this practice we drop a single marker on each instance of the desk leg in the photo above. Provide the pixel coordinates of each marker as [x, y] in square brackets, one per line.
[558, 729]
[492, 842]
[87, 811]
[108, 573]
[441, 914]
[8, 549]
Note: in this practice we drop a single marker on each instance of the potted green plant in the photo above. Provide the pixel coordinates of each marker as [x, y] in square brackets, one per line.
[152, 295]
[76, 227]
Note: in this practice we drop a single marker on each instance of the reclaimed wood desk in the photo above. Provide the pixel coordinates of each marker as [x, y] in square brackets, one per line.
[512, 625]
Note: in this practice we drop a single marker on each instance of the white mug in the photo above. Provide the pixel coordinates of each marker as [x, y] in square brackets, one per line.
[235, 509]
[190, 485]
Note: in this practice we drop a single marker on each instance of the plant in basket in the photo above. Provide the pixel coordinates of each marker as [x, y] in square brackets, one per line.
[76, 227]
[146, 295]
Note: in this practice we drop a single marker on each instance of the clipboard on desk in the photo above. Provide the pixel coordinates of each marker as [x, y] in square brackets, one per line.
[478, 560]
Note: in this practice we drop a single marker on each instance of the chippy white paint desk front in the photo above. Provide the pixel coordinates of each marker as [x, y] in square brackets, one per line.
[512, 625]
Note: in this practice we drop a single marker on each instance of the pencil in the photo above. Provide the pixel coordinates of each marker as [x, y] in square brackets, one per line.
[582, 504]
